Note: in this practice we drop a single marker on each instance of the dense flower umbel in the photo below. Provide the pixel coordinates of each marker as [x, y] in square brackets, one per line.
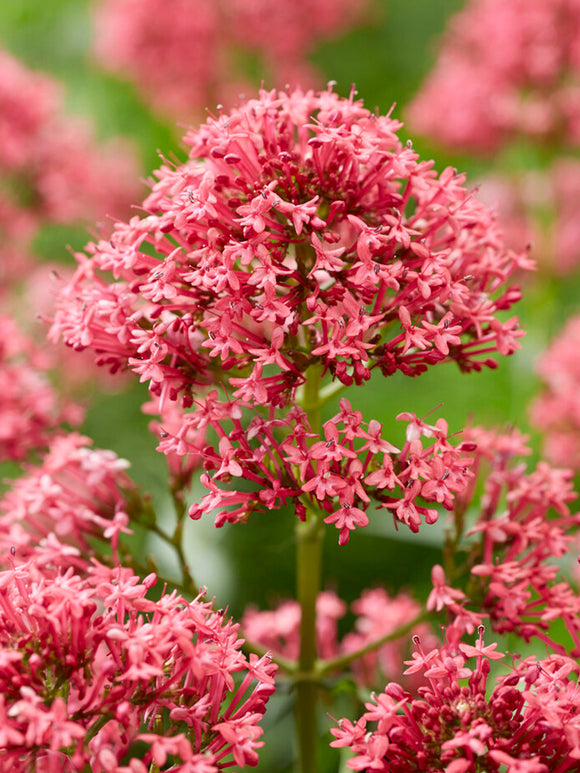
[507, 68]
[301, 235]
[339, 472]
[94, 674]
[557, 411]
[30, 410]
[529, 722]
[58, 508]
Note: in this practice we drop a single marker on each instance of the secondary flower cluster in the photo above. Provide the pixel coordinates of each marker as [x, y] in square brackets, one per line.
[523, 532]
[377, 616]
[151, 42]
[556, 411]
[50, 166]
[529, 723]
[59, 508]
[94, 673]
[30, 410]
[338, 472]
[507, 68]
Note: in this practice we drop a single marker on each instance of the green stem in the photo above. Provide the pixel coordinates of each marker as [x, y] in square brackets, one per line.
[187, 585]
[309, 567]
[177, 539]
[325, 667]
[308, 580]
[311, 396]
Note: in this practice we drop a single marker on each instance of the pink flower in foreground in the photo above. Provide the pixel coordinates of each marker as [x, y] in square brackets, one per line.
[93, 674]
[556, 412]
[300, 240]
[528, 721]
[507, 68]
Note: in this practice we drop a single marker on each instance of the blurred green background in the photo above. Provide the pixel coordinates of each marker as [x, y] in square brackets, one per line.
[387, 58]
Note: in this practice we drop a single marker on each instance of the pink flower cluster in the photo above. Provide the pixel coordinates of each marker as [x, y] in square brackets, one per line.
[30, 410]
[301, 239]
[182, 53]
[507, 68]
[338, 473]
[556, 412]
[50, 166]
[522, 532]
[58, 509]
[95, 674]
[377, 616]
[529, 723]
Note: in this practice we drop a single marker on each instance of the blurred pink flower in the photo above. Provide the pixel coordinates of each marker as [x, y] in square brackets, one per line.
[538, 209]
[30, 409]
[377, 616]
[51, 167]
[506, 69]
[556, 412]
[188, 55]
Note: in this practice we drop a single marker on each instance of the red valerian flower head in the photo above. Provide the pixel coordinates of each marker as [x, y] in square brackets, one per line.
[91, 670]
[301, 239]
[300, 231]
[529, 721]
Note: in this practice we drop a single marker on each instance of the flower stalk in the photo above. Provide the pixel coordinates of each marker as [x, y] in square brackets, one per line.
[309, 535]
[309, 570]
